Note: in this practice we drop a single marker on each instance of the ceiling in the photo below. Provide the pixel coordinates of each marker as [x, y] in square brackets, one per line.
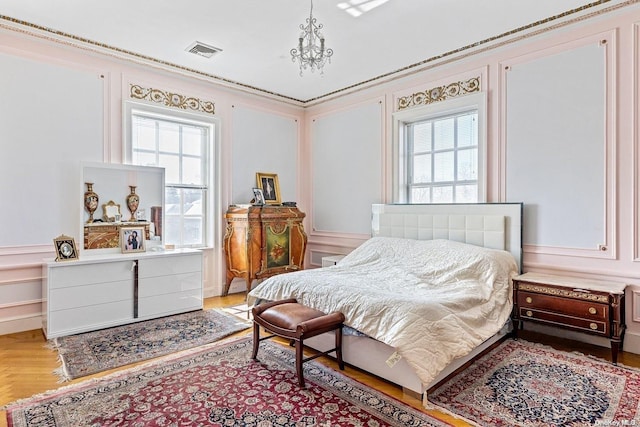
[372, 39]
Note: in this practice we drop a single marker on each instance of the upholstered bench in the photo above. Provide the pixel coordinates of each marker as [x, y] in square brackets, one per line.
[294, 321]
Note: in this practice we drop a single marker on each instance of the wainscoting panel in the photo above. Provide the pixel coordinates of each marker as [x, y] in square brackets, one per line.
[567, 151]
[346, 156]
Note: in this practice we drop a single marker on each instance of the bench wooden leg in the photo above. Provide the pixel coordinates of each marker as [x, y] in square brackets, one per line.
[339, 348]
[299, 370]
[256, 340]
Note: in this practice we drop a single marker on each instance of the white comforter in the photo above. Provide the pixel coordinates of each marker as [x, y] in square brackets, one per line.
[434, 301]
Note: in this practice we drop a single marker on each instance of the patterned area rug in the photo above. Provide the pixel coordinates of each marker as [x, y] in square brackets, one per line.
[525, 384]
[88, 353]
[219, 385]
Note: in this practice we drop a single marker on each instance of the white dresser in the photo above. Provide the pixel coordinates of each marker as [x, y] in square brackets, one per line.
[100, 291]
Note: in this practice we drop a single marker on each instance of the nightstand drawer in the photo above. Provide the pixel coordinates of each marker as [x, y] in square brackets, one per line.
[569, 307]
[558, 319]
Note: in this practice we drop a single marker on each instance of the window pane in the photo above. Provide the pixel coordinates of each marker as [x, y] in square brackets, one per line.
[422, 137]
[468, 130]
[443, 134]
[443, 166]
[191, 171]
[420, 195]
[468, 165]
[192, 199]
[466, 194]
[422, 168]
[442, 194]
[172, 230]
[169, 137]
[144, 159]
[192, 232]
[192, 138]
[172, 201]
[143, 133]
[171, 165]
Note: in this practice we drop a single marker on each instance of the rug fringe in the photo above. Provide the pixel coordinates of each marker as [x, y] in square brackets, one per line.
[433, 407]
[61, 372]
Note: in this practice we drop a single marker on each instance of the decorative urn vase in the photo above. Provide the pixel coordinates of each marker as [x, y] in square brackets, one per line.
[133, 200]
[90, 201]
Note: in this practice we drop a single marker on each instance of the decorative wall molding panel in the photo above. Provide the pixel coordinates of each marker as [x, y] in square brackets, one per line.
[171, 99]
[577, 146]
[439, 93]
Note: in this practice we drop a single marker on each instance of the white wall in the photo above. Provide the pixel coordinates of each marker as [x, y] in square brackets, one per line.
[562, 137]
[61, 107]
[293, 145]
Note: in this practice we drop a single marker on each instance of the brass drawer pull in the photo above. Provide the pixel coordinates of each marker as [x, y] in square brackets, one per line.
[592, 310]
[529, 313]
[593, 326]
[529, 300]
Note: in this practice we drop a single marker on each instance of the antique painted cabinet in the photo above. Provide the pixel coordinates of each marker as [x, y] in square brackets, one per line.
[262, 241]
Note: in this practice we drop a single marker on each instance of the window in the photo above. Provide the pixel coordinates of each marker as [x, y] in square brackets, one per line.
[440, 153]
[182, 146]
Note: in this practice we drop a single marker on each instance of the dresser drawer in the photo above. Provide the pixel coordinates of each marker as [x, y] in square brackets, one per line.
[598, 327]
[84, 274]
[167, 266]
[570, 307]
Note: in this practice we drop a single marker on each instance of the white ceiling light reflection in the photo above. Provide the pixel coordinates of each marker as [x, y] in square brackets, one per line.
[356, 8]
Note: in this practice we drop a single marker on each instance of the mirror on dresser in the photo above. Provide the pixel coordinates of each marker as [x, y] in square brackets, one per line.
[114, 196]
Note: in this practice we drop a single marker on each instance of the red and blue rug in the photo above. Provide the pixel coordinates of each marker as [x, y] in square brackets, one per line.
[219, 385]
[530, 385]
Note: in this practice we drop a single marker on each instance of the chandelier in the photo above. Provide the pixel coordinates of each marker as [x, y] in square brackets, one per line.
[309, 53]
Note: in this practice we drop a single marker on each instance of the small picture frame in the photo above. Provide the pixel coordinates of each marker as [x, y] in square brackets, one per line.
[258, 197]
[111, 212]
[268, 183]
[132, 239]
[66, 249]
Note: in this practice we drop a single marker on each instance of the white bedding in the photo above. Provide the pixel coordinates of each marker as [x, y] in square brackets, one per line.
[432, 300]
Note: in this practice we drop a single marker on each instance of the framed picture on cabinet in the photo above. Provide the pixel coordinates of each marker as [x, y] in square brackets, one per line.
[258, 197]
[132, 239]
[65, 248]
[268, 183]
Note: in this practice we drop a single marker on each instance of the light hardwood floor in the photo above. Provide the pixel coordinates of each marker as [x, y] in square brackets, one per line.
[26, 365]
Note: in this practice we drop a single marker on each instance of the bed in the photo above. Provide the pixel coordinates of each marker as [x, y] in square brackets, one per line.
[409, 321]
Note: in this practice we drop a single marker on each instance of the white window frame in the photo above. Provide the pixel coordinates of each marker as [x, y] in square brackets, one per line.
[210, 218]
[439, 109]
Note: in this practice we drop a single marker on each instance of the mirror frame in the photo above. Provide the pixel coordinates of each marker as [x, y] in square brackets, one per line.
[110, 210]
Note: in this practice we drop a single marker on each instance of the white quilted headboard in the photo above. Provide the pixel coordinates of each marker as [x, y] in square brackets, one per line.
[491, 225]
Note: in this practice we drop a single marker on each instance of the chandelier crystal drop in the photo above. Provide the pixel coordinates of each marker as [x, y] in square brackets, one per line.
[309, 53]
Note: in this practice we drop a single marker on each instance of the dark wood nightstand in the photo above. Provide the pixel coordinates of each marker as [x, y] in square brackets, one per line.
[590, 306]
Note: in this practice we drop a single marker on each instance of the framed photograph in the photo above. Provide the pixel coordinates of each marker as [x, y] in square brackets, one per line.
[268, 183]
[132, 239]
[65, 248]
[258, 197]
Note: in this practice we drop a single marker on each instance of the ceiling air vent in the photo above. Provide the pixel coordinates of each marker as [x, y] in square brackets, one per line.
[203, 49]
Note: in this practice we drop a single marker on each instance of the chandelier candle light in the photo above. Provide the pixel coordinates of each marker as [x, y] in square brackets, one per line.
[308, 53]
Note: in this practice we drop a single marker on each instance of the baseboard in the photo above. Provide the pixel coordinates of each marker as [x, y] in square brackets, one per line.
[20, 324]
[632, 343]
[631, 340]
[237, 286]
